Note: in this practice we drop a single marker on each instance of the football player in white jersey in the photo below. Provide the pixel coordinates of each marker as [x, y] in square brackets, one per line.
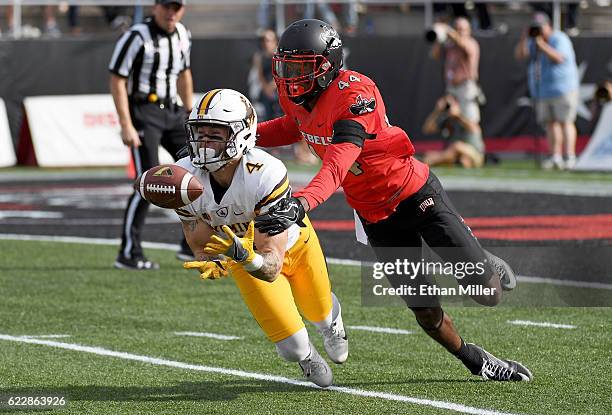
[284, 273]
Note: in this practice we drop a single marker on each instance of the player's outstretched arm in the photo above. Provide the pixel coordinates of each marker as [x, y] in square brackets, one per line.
[197, 234]
[264, 264]
[280, 131]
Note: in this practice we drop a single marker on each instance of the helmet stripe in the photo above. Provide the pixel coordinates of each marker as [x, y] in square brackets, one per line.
[203, 109]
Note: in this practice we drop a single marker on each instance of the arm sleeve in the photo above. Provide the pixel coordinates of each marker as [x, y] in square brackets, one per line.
[277, 132]
[337, 162]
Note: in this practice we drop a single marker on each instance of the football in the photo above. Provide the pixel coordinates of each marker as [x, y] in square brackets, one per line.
[168, 186]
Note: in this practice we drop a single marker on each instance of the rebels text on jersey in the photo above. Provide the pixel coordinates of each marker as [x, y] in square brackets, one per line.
[376, 174]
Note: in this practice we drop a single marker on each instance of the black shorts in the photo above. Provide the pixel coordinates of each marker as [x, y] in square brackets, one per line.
[428, 215]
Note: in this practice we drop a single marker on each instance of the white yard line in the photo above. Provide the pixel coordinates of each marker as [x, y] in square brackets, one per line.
[528, 185]
[333, 261]
[46, 336]
[541, 324]
[209, 335]
[387, 330]
[253, 375]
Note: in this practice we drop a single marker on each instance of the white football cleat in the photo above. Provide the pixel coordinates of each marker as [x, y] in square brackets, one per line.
[316, 369]
[335, 340]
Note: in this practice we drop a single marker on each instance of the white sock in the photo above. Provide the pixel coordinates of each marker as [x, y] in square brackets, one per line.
[331, 317]
[295, 347]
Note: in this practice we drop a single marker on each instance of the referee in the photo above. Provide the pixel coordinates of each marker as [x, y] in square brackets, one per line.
[149, 66]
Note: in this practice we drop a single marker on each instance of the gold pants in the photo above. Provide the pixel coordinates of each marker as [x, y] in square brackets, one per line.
[303, 284]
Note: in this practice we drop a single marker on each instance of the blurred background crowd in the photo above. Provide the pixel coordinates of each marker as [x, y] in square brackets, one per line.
[236, 18]
[453, 31]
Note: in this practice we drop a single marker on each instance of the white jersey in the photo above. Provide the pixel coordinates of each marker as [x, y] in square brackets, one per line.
[260, 181]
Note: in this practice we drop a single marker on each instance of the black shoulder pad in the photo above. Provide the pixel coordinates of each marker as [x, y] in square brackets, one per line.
[350, 131]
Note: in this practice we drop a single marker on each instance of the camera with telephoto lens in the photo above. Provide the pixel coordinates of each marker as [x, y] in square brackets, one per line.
[603, 93]
[437, 33]
[535, 31]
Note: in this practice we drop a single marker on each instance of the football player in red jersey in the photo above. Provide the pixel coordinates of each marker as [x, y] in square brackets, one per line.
[341, 115]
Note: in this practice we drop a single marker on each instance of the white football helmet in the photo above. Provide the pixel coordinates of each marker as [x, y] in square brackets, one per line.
[226, 108]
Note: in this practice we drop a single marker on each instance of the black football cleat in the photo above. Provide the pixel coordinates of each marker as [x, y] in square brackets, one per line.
[501, 370]
[135, 264]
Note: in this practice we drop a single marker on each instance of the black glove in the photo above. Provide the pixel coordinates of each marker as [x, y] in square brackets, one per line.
[281, 216]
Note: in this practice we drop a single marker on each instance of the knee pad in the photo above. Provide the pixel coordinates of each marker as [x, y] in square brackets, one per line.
[429, 318]
[295, 347]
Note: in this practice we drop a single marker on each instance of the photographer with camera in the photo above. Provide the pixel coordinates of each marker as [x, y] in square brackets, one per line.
[464, 137]
[553, 85]
[601, 98]
[460, 54]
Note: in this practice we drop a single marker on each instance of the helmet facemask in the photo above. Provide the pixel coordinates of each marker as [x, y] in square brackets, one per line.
[298, 75]
[212, 145]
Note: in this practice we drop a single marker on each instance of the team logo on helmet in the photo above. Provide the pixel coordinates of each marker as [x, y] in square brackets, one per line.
[330, 37]
[363, 105]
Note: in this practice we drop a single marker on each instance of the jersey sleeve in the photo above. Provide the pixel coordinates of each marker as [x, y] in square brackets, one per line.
[273, 186]
[125, 53]
[277, 132]
[337, 162]
[185, 42]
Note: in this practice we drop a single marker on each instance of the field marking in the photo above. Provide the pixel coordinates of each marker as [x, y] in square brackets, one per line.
[380, 329]
[333, 261]
[253, 375]
[204, 334]
[46, 336]
[541, 324]
[30, 214]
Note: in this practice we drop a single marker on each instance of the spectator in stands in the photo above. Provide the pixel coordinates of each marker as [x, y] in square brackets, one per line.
[50, 29]
[553, 84]
[265, 93]
[460, 54]
[463, 136]
[601, 98]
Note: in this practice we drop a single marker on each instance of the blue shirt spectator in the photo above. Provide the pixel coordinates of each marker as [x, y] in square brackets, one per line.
[556, 78]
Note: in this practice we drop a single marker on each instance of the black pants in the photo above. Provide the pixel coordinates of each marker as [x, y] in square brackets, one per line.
[427, 215]
[156, 126]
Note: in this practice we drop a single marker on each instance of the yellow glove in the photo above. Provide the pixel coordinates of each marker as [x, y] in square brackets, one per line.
[210, 270]
[239, 249]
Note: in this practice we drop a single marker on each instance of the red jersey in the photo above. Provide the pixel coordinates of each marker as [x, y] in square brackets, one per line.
[376, 177]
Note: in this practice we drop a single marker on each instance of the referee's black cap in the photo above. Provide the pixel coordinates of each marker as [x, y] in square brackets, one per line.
[179, 2]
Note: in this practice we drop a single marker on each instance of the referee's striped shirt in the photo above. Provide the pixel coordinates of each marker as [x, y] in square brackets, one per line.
[151, 58]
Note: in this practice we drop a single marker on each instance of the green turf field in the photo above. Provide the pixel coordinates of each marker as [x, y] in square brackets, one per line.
[70, 289]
